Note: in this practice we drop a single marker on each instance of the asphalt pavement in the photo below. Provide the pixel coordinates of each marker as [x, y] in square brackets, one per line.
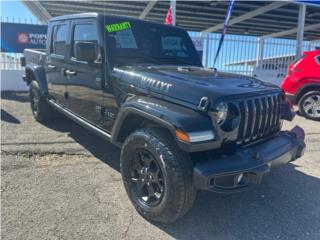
[60, 181]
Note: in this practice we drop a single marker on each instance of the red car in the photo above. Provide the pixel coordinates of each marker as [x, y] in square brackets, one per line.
[302, 84]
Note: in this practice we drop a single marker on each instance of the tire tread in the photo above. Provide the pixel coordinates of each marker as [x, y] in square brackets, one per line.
[180, 162]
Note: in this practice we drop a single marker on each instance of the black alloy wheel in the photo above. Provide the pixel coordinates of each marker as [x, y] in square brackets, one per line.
[147, 178]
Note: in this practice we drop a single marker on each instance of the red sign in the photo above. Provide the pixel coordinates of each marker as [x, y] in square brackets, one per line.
[23, 38]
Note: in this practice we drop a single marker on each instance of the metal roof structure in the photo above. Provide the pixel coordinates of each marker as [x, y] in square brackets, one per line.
[254, 18]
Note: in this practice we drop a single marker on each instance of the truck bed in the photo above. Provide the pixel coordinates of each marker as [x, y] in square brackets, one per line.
[35, 56]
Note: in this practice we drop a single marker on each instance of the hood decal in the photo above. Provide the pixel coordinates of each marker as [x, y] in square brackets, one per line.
[156, 84]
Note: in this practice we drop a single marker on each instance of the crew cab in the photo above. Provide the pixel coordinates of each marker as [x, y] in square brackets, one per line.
[181, 127]
[302, 84]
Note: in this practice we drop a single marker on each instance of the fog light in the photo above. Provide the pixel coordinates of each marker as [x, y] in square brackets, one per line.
[239, 177]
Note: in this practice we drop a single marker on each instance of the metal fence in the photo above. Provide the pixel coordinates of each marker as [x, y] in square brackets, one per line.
[240, 53]
[20, 20]
[10, 61]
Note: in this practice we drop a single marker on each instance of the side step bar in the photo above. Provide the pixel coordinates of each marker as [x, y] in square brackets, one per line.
[80, 121]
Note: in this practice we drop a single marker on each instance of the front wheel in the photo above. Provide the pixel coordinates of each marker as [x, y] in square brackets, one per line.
[309, 105]
[157, 175]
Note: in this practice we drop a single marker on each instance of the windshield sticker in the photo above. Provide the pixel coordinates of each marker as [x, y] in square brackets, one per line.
[117, 27]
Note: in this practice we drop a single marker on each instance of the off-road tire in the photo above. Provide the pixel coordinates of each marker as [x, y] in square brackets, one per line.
[302, 103]
[177, 168]
[41, 110]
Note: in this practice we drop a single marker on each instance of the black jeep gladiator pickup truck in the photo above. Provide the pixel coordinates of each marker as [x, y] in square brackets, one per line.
[181, 127]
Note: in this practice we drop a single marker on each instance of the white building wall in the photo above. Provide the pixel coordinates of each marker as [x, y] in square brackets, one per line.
[11, 80]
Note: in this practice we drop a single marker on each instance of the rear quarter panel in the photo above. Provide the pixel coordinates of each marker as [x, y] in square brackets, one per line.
[304, 72]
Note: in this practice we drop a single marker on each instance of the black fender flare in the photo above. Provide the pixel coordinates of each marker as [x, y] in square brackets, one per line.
[164, 114]
[39, 75]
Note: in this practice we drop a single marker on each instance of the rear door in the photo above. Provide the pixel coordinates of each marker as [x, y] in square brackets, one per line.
[84, 86]
[56, 60]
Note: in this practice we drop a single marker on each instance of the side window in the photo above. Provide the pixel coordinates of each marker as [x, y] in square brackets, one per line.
[59, 39]
[84, 33]
[318, 59]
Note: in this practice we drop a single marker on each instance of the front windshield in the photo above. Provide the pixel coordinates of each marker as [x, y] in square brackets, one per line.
[134, 42]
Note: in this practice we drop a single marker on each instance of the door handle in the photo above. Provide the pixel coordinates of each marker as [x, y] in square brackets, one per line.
[51, 66]
[70, 72]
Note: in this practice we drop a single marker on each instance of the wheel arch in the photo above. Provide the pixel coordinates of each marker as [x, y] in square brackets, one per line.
[141, 111]
[306, 88]
[132, 119]
[37, 73]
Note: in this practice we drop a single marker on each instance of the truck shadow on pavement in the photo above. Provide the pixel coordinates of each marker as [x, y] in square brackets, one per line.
[15, 96]
[99, 148]
[5, 116]
[12, 96]
[284, 206]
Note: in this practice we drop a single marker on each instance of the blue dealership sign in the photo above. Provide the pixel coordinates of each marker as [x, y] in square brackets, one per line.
[15, 37]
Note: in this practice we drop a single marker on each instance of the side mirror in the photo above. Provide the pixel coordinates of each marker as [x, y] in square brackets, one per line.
[85, 51]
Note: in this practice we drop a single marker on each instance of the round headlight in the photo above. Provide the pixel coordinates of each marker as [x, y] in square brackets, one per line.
[222, 112]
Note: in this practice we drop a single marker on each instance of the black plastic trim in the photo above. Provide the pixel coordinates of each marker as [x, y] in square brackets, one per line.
[252, 161]
[81, 121]
[39, 75]
[291, 97]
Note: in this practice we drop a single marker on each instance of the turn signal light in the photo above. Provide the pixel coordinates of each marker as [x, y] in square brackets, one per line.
[182, 136]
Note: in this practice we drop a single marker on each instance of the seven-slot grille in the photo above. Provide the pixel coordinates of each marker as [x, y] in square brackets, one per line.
[258, 117]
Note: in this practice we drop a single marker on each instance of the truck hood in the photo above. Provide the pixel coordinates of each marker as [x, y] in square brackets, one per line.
[190, 84]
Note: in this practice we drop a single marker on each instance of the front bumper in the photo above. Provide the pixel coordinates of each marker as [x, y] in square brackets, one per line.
[249, 164]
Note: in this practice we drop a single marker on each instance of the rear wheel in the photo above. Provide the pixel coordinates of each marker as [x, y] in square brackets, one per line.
[309, 105]
[41, 110]
[157, 175]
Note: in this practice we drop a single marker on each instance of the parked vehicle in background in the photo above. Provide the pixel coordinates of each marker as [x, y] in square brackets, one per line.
[302, 84]
[181, 127]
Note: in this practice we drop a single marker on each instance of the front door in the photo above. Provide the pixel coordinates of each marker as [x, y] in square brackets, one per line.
[56, 61]
[84, 79]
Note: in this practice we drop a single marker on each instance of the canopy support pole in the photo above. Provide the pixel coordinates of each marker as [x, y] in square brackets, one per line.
[300, 32]
[173, 4]
[207, 50]
[260, 51]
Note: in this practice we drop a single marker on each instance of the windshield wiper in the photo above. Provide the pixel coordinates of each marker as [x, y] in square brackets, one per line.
[143, 56]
